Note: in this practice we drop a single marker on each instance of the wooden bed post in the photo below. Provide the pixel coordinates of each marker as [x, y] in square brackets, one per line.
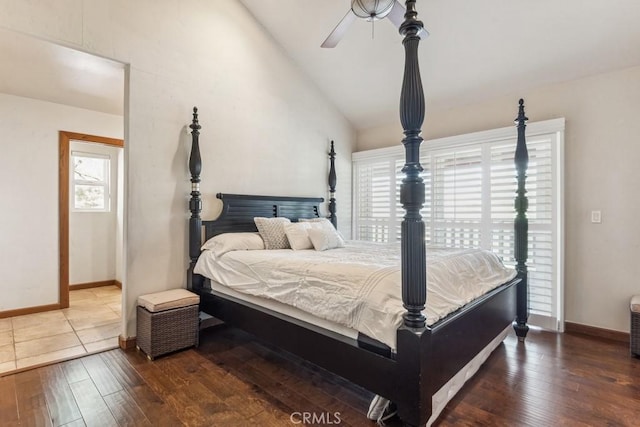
[414, 338]
[195, 203]
[414, 269]
[521, 226]
[332, 187]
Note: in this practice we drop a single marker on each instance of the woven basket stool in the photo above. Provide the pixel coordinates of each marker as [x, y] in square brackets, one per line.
[635, 325]
[167, 321]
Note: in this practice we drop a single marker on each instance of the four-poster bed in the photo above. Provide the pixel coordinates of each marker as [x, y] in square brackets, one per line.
[428, 362]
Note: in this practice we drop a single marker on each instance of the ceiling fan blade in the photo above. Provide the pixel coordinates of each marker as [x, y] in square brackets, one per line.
[340, 30]
[396, 16]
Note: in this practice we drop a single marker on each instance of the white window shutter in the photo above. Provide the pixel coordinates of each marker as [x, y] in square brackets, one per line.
[373, 210]
[457, 197]
[469, 201]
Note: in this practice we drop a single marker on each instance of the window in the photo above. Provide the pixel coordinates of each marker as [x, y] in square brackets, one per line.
[469, 201]
[90, 183]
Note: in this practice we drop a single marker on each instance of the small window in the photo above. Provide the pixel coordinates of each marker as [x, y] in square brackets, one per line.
[90, 184]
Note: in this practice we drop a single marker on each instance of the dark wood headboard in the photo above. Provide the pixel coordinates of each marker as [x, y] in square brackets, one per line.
[238, 211]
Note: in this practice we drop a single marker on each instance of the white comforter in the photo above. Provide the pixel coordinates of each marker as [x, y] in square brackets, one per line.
[358, 286]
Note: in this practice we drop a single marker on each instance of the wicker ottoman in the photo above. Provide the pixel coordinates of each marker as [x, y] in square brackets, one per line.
[635, 325]
[167, 321]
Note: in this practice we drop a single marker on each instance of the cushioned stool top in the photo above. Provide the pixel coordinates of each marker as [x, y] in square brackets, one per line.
[635, 303]
[166, 300]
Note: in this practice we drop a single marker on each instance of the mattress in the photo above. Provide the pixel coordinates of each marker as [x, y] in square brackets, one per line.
[287, 310]
[358, 286]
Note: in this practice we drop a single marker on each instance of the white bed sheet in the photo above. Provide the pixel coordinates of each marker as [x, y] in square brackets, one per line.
[358, 286]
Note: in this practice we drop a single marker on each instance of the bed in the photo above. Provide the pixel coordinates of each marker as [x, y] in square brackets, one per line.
[427, 362]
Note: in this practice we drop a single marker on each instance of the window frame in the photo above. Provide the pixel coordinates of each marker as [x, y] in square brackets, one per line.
[105, 183]
[553, 129]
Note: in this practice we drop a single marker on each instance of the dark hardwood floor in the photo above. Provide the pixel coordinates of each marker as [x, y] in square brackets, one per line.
[231, 380]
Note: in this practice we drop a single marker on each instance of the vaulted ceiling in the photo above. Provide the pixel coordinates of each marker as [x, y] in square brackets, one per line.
[42, 70]
[477, 50]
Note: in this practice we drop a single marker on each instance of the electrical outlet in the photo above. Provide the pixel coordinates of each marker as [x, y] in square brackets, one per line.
[596, 217]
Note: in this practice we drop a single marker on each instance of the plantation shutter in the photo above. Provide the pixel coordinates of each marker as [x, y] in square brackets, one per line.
[373, 209]
[457, 198]
[469, 202]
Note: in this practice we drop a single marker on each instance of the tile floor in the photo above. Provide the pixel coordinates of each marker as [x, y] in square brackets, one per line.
[90, 324]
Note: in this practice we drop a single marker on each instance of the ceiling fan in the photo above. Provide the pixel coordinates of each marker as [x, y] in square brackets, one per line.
[370, 10]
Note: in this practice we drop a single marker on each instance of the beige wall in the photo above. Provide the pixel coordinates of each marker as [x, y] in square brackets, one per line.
[602, 158]
[29, 255]
[266, 127]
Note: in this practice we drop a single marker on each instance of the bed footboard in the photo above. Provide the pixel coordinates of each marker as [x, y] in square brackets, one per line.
[435, 354]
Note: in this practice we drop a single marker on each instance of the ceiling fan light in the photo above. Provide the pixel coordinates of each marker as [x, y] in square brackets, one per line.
[372, 9]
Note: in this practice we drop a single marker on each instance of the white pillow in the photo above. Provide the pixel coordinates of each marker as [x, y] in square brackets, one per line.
[324, 236]
[298, 236]
[320, 219]
[227, 242]
[272, 232]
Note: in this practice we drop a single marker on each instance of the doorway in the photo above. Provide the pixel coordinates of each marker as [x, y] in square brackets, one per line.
[45, 88]
[87, 191]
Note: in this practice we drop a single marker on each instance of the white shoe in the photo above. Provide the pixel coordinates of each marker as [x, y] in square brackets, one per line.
[380, 409]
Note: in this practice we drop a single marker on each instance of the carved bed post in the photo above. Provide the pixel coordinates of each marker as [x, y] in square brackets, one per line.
[521, 226]
[195, 203]
[332, 187]
[414, 269]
